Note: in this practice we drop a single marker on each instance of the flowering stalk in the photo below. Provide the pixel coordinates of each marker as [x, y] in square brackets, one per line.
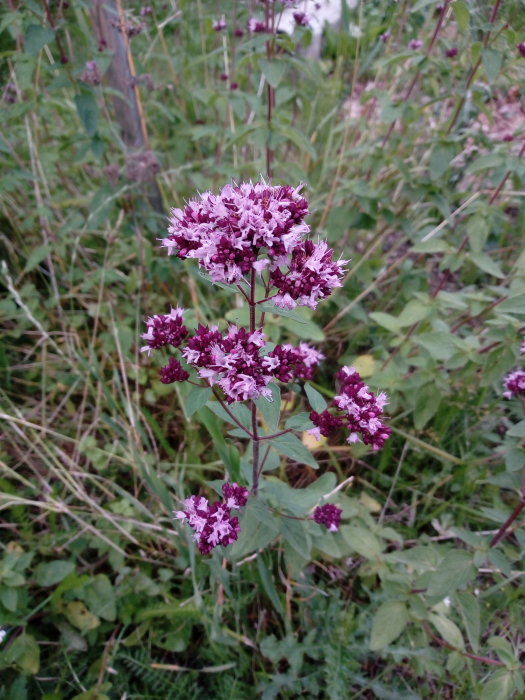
[244, 233]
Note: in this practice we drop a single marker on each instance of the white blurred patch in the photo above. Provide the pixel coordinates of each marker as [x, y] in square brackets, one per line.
[318, 12]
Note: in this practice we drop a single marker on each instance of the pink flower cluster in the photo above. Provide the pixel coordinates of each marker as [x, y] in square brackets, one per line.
[235, 361]
[360, 412]
[311, 275]
[164, 329]
[514, 384]
[213, 524]
[288, 362]
[249, 228]
[328, 515]
[232, 361]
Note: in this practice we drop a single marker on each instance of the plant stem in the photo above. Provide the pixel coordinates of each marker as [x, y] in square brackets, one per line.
[223, 404]
[503, 531]
[468, 655]
[255, 459]
[255, 430]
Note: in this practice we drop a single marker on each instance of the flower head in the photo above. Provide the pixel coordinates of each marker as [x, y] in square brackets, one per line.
[256, 26]
[362, 409]
[359, 410]
[164, 329]
[301, 19]
[329, 516]
[514, 384]
[232, 361]
[287, 362]
[311, 276]
[415, 44]
[213, 524]
[91, 74]
[244, 228]
[173, 372]
[219, 24]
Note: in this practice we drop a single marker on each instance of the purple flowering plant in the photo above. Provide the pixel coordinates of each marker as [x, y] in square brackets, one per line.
[253, 239]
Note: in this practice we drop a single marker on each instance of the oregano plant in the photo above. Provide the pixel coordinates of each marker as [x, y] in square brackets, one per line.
[254, 238]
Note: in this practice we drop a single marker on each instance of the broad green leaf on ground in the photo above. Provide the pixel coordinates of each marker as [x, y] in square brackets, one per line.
[388, 624]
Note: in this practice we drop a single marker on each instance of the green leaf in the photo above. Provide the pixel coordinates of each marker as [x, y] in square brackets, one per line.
[274, 70]
[448, 630]
[517, 430]
[197, 398]
[362, 541]
[36, 37]
[487, 264]
[80, 617]
[428, 399]
[294, 533]
[238, 410]
[492, 61]
[503, 649]
[100, 598]
[391, 323]
[258, 527]
[462, 15]
[492, 160]
[87, 109]
[300, 421]
[513, 305]
[9, 598]
[440, 159]
[388, 624]
[316, 399]
[36, 256]
[271, 410]
[414, 312]
[269, 585]
[290, 446]
[25, 653]
[499, 687]
[298, 138]
[468, 606]
[454, 571]
[440, 345]
[270, 308]
[50, 573]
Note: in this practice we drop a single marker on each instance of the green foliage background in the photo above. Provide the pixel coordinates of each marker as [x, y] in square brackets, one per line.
[409, 172]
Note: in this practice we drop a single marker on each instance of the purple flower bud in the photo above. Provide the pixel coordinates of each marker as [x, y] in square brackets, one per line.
[256, 26]
[329, 516]
[173, 372]
[415, 44]
[384, 37]
[145, 11]
[451, 53]
[234, 86]
[521, 48]
[301, 19]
